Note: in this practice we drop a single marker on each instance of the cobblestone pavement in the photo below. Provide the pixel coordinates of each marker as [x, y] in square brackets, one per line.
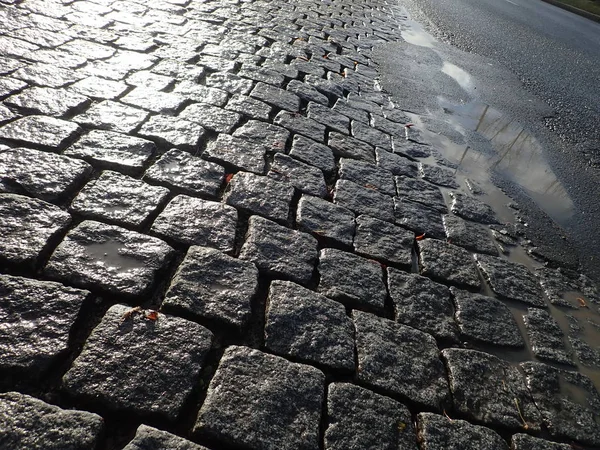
[217, 232]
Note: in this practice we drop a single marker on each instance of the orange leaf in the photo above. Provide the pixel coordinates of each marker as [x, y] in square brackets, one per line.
[152, 315]
[228, 177]
[581, 302]
[418, 238]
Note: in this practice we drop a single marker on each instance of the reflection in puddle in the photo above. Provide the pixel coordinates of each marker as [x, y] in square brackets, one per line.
[459, 75]
[111, 254]
[413, 33]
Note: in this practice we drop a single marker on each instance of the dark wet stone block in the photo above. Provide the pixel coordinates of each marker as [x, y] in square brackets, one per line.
[280, 251]
[140, 361]
[180, 170]
[98, 256]
[213, 285]
[400, 360]
[112, 116]
[359, 418]
[211, 117]
[587, 355]
[248, 106]
[152, 100]
[40, 174]
[438, 175]
[41, 131]
[194, 221]
[147, 438]
[510, 280]
[367, 175]
[422, 304]
[411, 149]
[545, 336]
[329, 117]
[260, 195]
[108, 150]
[371, 135]
[117, 198]
[313, 153]
[29, 423]
[351, 279]
[363, 200]
[37, 317]
[306, 92]
[418, 218]
[305, 178]
[421, 192]
[471, 209]
[272, 137]
[99, 88]
[349, 147]
[447, 263]
[396, 164]
[239, 153]
[486, 319]
[441, 433]
[383, 241]
[557, 284]
[308, 326]
[27, 225]
[523, 441]
[230, 83]
[569, 402]
[469, 235]
[276, 97]
[173, 131]
[257, 400]
[326, 220]
[301, 125]
[47, 101]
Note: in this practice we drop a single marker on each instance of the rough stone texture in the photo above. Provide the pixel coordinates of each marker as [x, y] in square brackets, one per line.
[181, 171]
[545, 336]
[511, 280]
[108, 150]
[421, 192]
[301, 125]
[349, 147]
[523, 441]
[260, 195]
[249, 106]
[98, 256]
[170, 350]
[27, 225]
[118, 198]
[400, 360]
[447, 263]
[29, 423]
[276, 97]
[363, 200]
[490, 390]
[152, 100]
[272, 138]
[418, 218]
[194, 221]
[384, 241]
[486, 319]
[40, 131]
[568, 401]
[313, 153]
[469, 235]
[47, 101]
[35, 321]
[329, 117]
[99, 88]
[471, 209]
[326, 220]
[173, 131]
[280, 251]
[438, 175]
[586, 354]
[212, 285]
[305, 178]
[437, 432]
[290, 397]
[359, 418]
[306, 92]
[40, 174]
[148, 438]
[211, 117]
[367, 175]
[351, 279]
[558, 285]
[309, 327]
[237, 153]
[368, 134]
[396, 164]
[112, 116]
[422, 304]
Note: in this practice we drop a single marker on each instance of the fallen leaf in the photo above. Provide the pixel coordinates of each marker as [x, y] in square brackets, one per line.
[228, 177]
[582, 302]
[152, 315]
[421, 237]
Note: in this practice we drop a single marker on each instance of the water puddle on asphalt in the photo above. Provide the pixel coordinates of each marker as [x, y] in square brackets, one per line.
[416, 35]
[110, 254]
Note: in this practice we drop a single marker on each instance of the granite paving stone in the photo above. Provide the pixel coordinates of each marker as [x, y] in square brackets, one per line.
[299, 124]
[486, 319]
[546, 337]
[279, 251]
[398, 165]
[270, 80]
[149, 80]
[470, 208]
[27, 226]
[307, 92]
[118, 199]
[173, 131]
[367, 175]
[211, 117]
[40, 174]
[272, 137]
[326, 220]
[359, 418]
[437, 432]
[147, 438]
[29, 423]
[48, 75]
[329, 117]
[371, 135]
[305, 178]
[193, 91]
[420, 191]
[178, 69]
[349, 147]
[423, 304]
[447, 263]
[250, 107]
[351, 279]
[469, 235]
[170, 349]
[206, 223]
[309, 327]
[115, 151]
[88, 49]
[418, 218]
[400, 360]
[290, 396]
[438, 175]
[522, 441]
[43, 131]
[98, 256]
[363, 200]
[47, 101]
[7, 114]
[99, 88]
[587, 355]
[8, 65]
[313, 153]
[238, 153]
[557, 284]
[383, 241]
[112, 116]
[275, 96]
[229, 82]
[153, 100]
[14, 47]
[213, 285]
[411, 149]
[489, 390]
[510, 280]
[183, 172]
[264, 196]
[325, 87]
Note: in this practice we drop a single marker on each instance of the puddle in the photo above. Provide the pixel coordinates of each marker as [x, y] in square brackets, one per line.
[459, 75]
[111, 254]
[413, 33]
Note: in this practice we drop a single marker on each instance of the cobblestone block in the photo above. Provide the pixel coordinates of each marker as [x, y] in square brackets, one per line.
[276, 97]
[469, 235]
[40, 174]
[308, 326]
[306, 92]
[329, 117]
[109, 150]
[120, 199]
[418, 218]
[27, 225]
[383, 241]
[173, 131]
[359, 418]
[238, 153]
[400, 360]
[313, 153]
[152, 100]
[47, 75]
[149, 80]
[272, 137]
[555, 284]
[178, 69]
[98, 256]
[545, 336]
[510, 280]
[326, 220]
[47, 101]
[8, 65]
[260, 195]
[349, 147]
[151, 438]
[363, 200]
[170, 350]
[411, 149]
[326, 87]
[371, 135]
[522, 441]
[211, 117]
[29, 423]
[367, 175]
[301, 125]
[270, 80]
[112, 116]
[423, 304]
[420, 191]
[305, 178]
[6, 114]
[441, 433]
[486, 319]
[14, 47]
[290, 396]
[396, 164]
[41, 131]
[249, 107]
[193, 91]
[194, 221]
[438, 175]
[229, 82]
[342, 107]
[447, 263]
[180, 170]
[87, 49]
[99, 88]
[279, 251]
[588, 356]
[471, 209]
[213, 285]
